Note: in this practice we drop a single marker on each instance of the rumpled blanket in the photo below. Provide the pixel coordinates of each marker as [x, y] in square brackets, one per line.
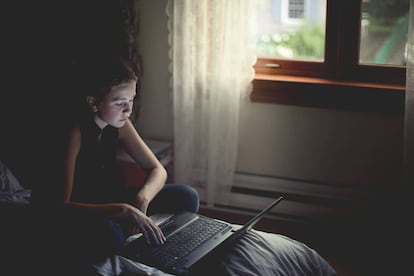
[11, 191]
[262, 253]
[118, 265]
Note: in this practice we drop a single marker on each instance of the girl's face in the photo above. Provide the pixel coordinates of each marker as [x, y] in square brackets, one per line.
[115, 108]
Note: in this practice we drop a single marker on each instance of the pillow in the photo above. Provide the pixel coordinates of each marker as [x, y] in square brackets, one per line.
[131, 173]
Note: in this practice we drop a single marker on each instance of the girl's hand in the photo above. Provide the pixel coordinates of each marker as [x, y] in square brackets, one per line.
[141, 222]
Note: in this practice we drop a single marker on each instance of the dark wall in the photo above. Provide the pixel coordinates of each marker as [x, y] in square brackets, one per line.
[45, 44]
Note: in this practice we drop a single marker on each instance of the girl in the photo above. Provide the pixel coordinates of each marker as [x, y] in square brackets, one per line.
[101, 211]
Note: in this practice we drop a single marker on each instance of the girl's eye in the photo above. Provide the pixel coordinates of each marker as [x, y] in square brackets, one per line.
[121, 103]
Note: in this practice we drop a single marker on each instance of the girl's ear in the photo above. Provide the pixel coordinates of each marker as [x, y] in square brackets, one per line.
[91, 101]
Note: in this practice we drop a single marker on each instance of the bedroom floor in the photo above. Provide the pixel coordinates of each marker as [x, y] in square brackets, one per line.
[334, 249]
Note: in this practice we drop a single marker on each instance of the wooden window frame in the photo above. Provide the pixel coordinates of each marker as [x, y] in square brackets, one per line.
[341, 70]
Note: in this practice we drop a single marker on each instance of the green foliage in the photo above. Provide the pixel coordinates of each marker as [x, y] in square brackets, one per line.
[306, 42]
[390, 9]
[384, 14]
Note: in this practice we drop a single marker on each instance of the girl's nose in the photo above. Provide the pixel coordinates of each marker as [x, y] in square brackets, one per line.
[128, 107]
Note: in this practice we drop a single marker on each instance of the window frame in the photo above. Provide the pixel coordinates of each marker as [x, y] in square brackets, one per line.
[341, 62]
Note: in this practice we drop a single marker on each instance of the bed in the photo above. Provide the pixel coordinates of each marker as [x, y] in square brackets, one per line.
[256, 253]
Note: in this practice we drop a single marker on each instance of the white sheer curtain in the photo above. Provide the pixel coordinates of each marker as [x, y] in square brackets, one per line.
[211, 63]
[409, 103]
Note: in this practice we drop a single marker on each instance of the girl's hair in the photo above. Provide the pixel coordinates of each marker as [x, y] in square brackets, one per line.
[107, 74]
[96, 78]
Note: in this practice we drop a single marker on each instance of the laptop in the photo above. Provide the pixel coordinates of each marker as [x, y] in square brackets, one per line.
[190, 238]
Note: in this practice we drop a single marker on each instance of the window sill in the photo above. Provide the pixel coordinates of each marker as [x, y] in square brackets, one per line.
[327, 93]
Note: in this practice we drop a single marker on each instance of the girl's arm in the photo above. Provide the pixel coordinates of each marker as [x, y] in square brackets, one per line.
[72, 151]
[135, 146]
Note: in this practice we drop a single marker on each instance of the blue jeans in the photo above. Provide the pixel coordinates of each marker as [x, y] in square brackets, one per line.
[174, 198]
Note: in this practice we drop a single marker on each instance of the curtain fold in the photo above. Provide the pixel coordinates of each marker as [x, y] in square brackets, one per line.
[212, 53]
[409, 103]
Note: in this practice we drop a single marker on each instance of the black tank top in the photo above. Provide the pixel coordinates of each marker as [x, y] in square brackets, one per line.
[97, 178]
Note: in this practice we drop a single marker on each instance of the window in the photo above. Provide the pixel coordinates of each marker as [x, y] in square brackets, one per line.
[340, 40]
[296, 9]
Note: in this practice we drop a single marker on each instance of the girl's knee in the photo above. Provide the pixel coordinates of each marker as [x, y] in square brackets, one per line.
[175, 198]
[189, 198]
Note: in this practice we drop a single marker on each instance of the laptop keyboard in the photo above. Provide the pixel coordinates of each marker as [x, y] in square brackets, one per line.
[182, 243]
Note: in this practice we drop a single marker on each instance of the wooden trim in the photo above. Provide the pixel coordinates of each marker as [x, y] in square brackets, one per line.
[326, 93]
